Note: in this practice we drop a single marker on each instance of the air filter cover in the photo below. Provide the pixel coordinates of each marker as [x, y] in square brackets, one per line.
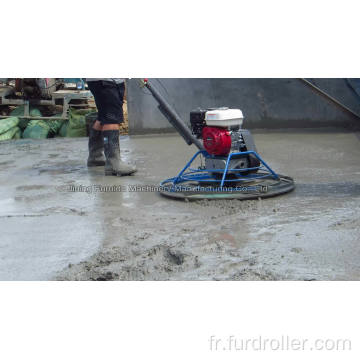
[224, 117]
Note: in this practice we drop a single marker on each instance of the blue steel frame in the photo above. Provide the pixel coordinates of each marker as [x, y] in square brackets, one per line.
[204, 175]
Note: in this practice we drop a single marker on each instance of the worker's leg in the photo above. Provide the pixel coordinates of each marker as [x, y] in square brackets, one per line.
[110, 127]
[109, 103]
[96, 142]
[110, 130]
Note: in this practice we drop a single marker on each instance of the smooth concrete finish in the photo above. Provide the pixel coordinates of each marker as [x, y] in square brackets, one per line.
[266, 103]
[58, 219]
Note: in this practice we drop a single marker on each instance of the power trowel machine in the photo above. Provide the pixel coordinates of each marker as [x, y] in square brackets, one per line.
[228, 163]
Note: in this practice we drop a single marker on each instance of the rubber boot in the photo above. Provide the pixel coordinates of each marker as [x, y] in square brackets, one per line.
[113, 164]
[96, 148]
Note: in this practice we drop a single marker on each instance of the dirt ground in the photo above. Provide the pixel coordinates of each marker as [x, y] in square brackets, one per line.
[53, 232]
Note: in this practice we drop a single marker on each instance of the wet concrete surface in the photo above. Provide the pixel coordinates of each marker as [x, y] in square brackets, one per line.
[58, 221]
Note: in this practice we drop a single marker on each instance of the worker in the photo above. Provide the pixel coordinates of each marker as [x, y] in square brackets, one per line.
[104, 133]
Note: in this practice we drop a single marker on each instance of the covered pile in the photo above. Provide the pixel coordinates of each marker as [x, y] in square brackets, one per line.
[16, 127]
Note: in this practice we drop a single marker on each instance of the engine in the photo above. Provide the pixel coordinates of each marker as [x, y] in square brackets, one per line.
[217, 141]
[221, 133]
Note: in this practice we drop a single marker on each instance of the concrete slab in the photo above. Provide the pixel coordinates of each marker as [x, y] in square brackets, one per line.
[59, 220]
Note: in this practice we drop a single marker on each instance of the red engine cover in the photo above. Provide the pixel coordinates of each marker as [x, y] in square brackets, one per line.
[217, 141]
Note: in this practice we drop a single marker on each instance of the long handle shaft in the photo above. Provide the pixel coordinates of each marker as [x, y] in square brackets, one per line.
[173, 118]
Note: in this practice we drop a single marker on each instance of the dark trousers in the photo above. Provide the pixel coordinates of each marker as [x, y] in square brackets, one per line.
[109, 98]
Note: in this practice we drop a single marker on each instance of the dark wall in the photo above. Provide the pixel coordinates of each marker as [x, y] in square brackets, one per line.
[266, 103]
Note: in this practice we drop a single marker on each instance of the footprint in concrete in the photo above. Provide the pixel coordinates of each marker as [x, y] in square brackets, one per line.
[175, 256]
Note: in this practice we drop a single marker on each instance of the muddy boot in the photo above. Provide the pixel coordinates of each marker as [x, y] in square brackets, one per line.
[96, 147]
[113, 164]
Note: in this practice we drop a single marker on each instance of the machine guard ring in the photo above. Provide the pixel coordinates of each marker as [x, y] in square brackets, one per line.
[195, 184]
